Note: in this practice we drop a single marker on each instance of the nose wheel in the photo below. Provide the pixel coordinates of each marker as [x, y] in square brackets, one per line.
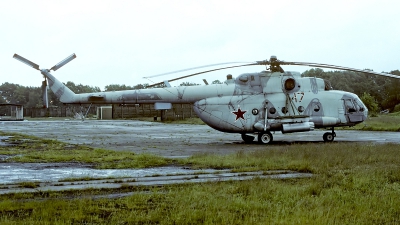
[329, 136]
[265, 137]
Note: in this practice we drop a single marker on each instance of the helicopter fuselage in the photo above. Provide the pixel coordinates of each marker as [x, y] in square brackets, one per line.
[253, 102]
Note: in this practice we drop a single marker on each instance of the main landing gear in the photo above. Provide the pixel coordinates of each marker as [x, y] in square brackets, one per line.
[329, 136]
[266, 137]
[263, 137]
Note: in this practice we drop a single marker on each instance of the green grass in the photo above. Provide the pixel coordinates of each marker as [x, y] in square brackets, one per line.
[382, 122]
[353, 184]
[28, 184]
[32, 149]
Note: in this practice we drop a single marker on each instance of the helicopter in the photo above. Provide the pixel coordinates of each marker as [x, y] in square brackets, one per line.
[252, 104]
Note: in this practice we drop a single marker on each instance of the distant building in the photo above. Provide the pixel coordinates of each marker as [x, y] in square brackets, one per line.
[11, 112]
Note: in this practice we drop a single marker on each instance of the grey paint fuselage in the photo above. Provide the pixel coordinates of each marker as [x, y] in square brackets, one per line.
[264, 99]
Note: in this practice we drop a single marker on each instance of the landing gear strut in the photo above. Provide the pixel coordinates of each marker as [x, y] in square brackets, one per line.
[329, 136]
[265, 137]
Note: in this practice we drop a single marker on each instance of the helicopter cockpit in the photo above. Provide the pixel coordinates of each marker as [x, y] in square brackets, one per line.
[355, 110]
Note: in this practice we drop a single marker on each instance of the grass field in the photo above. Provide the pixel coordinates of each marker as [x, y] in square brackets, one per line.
[352, 184]
[32, 149]
[383, 122]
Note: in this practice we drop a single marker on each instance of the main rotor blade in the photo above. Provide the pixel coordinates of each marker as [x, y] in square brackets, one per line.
[194, 74]
[328, 66]
[198, 67]
[62, 63]
[27, 62]
[274, 62]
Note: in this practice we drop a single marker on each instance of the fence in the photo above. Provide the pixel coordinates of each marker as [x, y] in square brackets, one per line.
[63, 111]
[178, 111]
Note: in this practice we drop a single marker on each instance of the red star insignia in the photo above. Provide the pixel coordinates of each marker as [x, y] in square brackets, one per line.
[239, 114]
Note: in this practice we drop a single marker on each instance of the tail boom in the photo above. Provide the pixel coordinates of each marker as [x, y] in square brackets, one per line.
[59, 89]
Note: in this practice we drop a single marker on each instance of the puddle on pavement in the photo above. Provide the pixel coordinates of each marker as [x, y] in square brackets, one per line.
[47, 176]
[4, 141]
[45, 172]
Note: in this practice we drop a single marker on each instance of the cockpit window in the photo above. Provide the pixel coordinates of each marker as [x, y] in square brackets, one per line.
[243, 78]
[349, 105]
[328, 85]
[359, 105]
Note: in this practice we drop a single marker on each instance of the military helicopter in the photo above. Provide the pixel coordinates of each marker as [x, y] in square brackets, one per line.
[252, 104]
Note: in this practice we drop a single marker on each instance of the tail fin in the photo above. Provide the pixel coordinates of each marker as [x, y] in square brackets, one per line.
[59, 89]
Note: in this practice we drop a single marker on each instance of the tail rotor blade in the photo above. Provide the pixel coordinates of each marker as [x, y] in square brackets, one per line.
[27, 62]
[44, 94]
[62, 63]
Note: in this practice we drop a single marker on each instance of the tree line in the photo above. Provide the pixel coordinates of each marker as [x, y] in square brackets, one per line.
[377, 92]
[31, 97]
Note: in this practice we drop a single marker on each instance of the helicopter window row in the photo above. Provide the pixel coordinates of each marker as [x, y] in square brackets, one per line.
[285, 110]
[245, 78]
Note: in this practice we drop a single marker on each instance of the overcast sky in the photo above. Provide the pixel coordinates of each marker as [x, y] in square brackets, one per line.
[120, 42]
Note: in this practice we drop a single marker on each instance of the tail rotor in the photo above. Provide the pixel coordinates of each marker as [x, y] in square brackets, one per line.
[44, 71]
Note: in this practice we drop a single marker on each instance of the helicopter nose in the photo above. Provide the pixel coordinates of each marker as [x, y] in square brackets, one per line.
[364, 108]
[366, 112]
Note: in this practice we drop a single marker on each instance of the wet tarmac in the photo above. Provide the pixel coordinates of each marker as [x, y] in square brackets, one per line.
[52, 172]
[171, 140]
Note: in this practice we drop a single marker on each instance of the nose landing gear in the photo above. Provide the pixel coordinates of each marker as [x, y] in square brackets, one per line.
[329, 136]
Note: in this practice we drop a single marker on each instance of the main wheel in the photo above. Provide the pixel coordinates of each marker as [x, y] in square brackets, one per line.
[328, 137]
[247, 138]
[265, 137]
